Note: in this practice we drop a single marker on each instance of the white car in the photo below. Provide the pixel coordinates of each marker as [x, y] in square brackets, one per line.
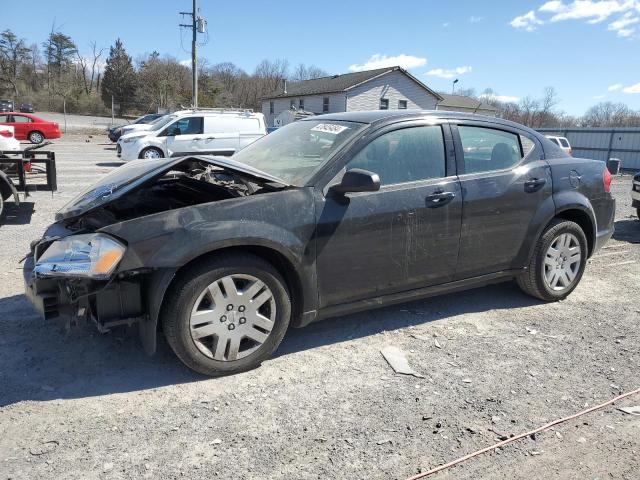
[196, 132]
[8, 140]
[562, 142]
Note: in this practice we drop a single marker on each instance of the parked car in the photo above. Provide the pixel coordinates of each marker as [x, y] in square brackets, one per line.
[8, 140]
[115, 131]
[6, 106]
[139, 127]
[221, 132]
[27, 108]
[325, 216]
[30, 127]
[635, 193]
[562, 142]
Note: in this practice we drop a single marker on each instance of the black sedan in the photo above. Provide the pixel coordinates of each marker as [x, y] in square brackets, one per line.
[326, 216]
[27, 108]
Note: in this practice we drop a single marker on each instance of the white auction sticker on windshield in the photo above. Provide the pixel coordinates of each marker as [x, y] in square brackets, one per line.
[329, 128]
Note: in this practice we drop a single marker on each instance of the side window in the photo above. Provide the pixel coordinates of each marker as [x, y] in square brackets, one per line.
[184, 126]
[406, 155]
[487, 149]
[21, 119]
[564, 143]
[4, 118]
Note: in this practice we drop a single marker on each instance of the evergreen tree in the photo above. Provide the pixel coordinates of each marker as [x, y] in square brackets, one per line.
[119, 78]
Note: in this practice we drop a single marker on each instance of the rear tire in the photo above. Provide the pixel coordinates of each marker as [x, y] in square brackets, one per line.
[205, 314]
[36, 137]
[151, 153]
[553, 273]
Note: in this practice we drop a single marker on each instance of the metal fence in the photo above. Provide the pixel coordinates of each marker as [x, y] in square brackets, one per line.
[603, 143]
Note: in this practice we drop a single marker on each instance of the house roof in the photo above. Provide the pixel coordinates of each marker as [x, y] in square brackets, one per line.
[342, 83]
[462, 101]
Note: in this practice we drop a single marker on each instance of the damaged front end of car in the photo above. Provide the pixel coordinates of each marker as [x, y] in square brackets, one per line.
[78, 272]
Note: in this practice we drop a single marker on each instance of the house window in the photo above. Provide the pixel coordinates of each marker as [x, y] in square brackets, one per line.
[325, 104]
[271, 109]
[384, 104]
[292, 103]
[301, 104]
[402, 104]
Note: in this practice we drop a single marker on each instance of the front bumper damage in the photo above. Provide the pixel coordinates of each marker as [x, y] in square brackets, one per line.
[71, 301]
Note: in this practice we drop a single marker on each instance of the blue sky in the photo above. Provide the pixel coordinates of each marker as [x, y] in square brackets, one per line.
[588, 50]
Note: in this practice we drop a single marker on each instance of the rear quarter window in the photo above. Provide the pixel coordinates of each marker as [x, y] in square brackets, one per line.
[552, 149]
[564, 143]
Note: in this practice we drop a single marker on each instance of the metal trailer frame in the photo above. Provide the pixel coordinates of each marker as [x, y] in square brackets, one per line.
[17, 178]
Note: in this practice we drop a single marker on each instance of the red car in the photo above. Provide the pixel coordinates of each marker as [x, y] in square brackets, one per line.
[28, 127]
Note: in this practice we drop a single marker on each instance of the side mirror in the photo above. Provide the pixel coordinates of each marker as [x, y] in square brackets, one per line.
[357, 180]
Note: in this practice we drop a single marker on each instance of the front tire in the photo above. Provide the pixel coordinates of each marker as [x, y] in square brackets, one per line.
[226, 314]
[151, 153]
[36, 137]
[558, 262]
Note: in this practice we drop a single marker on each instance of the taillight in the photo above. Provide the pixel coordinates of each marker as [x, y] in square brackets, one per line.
[606, 180]
[571, 152]
[6, 133]
[26, 166]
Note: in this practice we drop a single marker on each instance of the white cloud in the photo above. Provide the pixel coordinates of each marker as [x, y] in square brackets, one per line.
[632, 89]
[554, 6]
[473, 19]
[449, 72]
[615, 87]
[621, 26]
[381, 61]
[446, 24]
[528, 21]
[625, 12]
[500, 98]
[186, 63]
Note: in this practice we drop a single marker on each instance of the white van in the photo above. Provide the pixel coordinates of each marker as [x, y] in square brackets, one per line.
[562, 142]
[196, 132]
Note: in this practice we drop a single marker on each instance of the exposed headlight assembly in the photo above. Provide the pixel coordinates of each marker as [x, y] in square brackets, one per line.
[129, 140]
[93, 256]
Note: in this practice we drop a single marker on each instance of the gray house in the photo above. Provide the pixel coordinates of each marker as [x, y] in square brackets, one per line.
[462, 103]
[384, 88]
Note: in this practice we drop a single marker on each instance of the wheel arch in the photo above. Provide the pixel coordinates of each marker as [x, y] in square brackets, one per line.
[584, 220]
[162, 280]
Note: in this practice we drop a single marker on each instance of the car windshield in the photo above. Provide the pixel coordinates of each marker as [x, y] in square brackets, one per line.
[295, 152]
[161, 122]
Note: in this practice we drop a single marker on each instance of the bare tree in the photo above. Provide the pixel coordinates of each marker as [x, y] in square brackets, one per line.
[302, 72]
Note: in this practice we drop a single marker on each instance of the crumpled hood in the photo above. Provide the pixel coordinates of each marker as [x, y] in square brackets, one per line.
[135, 174]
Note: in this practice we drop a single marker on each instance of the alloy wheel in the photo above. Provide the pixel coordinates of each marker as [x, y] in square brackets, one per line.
[151, 153]
[233, 317]
[562, 262]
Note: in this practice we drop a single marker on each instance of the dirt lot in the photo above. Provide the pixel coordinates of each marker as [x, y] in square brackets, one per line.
[328, 406]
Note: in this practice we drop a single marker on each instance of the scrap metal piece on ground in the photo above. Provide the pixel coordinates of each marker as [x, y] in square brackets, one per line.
[630, 410]
[396, 358]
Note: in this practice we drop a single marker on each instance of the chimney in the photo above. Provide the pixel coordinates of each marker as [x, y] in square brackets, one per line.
[284, 83]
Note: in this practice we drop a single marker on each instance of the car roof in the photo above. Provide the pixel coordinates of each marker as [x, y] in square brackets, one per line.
[384, 116]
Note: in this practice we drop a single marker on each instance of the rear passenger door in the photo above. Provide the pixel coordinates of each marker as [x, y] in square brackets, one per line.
[22, 125]
[504, 182]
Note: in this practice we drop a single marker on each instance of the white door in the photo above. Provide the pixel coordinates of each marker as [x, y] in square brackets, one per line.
[184, 136]
[220, 137]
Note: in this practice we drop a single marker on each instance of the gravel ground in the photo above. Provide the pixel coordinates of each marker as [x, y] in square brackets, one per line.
[495, 362]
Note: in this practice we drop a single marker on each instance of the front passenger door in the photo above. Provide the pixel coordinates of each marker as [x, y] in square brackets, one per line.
[184, 136]
[403, 236]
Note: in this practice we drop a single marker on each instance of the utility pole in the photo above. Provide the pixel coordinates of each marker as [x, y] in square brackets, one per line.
[198, 24]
